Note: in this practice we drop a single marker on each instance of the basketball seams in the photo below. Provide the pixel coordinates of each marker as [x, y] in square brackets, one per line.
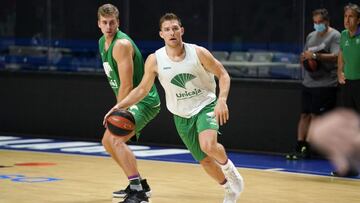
[121, 122]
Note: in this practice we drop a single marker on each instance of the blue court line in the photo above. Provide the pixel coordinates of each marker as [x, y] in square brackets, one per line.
[246, 160]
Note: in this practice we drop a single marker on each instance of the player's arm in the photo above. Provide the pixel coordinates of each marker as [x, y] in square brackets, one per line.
[212, 65]
[123, 53]
[340, 69]
[138, 93]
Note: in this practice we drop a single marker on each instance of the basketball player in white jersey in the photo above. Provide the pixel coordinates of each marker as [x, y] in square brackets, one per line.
[186, 72]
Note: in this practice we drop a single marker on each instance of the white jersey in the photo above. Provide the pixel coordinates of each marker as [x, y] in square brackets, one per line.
[188, 86]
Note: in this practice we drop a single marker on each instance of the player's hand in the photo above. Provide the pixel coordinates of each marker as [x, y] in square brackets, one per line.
[116, 107]
[221, 112]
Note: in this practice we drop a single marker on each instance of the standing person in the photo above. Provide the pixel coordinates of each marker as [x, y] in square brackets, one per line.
[319, 85]
[349, 65]
[186, 72]
[349, 60]
[124, 68]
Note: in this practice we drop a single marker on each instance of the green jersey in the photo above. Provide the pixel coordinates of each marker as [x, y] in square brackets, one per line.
[350, 47]
[111, 68]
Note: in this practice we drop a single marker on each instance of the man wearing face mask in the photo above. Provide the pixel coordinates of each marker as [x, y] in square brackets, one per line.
[319, 78]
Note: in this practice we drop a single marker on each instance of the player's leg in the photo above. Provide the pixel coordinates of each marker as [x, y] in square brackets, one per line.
[213, 169]
[208, 144]
[108, 141]
[143, 114]
[118, 149]
[188, 133]
[207, 128]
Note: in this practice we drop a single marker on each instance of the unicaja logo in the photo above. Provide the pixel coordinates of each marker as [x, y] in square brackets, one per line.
[180, 80]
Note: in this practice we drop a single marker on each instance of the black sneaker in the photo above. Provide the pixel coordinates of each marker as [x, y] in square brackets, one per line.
[293, 156]
[136, 197]
[126, 191]
[304, 153]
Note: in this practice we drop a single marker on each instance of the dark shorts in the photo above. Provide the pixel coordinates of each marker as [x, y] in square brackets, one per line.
[318, 100]
[350, 95]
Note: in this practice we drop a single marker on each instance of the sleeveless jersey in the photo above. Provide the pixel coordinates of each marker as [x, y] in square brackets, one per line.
[188, 86]
[111, 69]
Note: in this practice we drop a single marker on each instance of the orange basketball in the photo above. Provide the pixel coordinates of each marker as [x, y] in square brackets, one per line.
[120, 122]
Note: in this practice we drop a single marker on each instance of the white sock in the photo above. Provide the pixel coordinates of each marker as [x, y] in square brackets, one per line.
[229, 164]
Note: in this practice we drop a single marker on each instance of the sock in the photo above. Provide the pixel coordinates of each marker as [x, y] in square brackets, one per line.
[135, 183]
[224, 182]
[228, 165]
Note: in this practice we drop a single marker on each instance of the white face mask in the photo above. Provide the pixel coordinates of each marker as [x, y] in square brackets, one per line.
[319, 27]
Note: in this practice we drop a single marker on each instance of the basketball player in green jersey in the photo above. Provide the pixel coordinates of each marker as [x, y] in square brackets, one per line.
[186, 72]
[124, 68]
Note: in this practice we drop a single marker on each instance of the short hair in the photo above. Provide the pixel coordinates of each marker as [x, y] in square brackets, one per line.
[169, 16]
[353, 7]
[108, 10]
[323, 12]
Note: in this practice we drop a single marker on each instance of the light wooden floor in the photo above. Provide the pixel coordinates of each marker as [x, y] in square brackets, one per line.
[90, 179]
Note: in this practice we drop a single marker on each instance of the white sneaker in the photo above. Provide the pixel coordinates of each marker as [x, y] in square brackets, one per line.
[234, 178]
[230, 196]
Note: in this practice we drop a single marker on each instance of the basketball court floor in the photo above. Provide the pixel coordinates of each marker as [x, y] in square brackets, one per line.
[57, 171]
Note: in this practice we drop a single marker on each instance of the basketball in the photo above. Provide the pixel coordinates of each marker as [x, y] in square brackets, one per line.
[120, 122]
[310, 65]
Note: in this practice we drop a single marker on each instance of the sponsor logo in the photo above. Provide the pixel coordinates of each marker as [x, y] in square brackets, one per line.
[107, 69]
[181, 79]
[113, 83]
[166, 68]
[347, 43]
[188, 94]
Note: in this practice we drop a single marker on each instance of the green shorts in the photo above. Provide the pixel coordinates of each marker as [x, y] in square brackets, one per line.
[143, 113]
[190, 128]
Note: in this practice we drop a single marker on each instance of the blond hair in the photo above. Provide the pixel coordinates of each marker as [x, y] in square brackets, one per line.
[108, 10]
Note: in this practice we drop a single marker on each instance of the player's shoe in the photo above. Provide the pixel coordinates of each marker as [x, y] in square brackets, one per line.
[230, 196]
[136, 197]
[234, 178]
[126, 191]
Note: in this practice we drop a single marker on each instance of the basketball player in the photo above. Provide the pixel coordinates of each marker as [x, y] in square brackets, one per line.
[124, 68]
[186, 72]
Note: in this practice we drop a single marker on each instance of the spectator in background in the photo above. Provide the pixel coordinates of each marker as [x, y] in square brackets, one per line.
[349, 58]
[319, 83]
[349, 65]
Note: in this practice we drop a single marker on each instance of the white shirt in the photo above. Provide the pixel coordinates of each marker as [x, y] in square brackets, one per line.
[188, 86]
